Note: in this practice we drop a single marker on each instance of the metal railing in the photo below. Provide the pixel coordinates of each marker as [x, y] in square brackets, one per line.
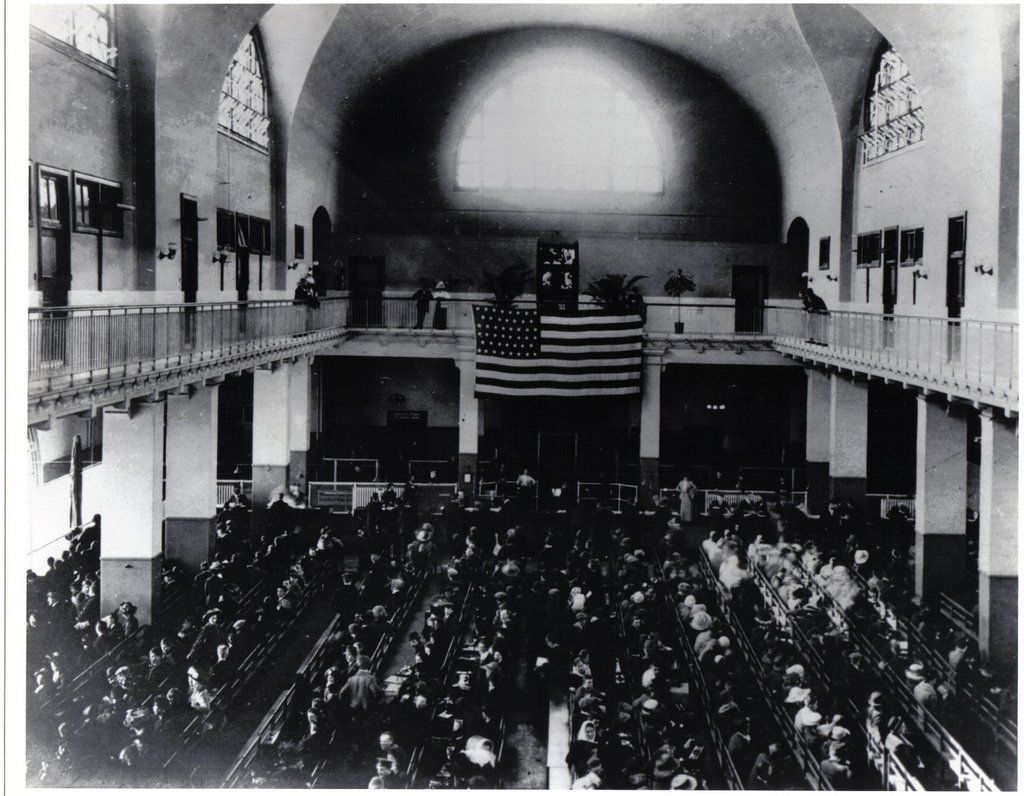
[886, 503]
[969, 355]
[225, 489]
[85, 344]
[617, 494]
[346, 496]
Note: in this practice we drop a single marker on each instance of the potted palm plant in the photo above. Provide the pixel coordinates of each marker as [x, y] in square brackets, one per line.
[617, 293]
[676, 286]
[507, 285]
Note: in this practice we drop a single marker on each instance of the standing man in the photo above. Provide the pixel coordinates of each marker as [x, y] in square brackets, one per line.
[687, 496]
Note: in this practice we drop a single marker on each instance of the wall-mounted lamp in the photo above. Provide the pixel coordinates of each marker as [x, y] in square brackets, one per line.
[807, 276]
[831, 278]
[294, 265]
[714, 407]
[172, 250]
[981, 269]
[221, 256]
[919, 274]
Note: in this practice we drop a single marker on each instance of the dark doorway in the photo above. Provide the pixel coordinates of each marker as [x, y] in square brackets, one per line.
[323, 255]
[189, 248]
[556, 461]
[366, 291]
[54, 274]
[749, 291]
[890, 269]
[956, 260]
[956, 278]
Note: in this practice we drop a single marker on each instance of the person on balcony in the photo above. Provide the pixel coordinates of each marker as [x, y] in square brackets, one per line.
[440, 314]
[422, 298]
[687, 496]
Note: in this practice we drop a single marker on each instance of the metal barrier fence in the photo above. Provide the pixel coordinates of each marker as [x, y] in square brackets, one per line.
[225, 489]
[977, 355]
[353, 468]
[886, 503]
[92, 343]
[618, 494]
[346, 496]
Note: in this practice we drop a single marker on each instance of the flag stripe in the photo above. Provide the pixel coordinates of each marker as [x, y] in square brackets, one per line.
[526, 352]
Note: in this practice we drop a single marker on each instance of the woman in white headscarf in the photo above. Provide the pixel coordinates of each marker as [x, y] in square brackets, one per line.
[584, 745]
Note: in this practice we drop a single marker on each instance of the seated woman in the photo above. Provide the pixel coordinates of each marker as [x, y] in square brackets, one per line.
[581, 749]
[476, 760]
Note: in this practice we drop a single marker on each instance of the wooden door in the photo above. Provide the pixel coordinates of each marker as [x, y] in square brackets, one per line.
[53, 277]
[956, 265]
[890, 269]
[366, 290]
[749, 291]
[189, 248]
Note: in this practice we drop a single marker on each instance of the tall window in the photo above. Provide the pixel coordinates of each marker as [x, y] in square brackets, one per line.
[894, 117]
[243, 97]
[88, 29]
[559, 128]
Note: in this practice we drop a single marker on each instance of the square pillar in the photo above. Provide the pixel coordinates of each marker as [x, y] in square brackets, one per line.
[132, 509]
[997, 540]
[817, 440]
[469, 424]
[300, 405]
[271, 449]
[940, 523]
[191, 503]
[650, 421]
[848, 440]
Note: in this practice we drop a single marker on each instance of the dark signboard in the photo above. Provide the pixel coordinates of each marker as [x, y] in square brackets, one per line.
[411, 418]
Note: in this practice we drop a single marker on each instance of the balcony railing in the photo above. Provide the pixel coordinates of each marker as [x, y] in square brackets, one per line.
[973, 358]
[81, 345]
[88, 344]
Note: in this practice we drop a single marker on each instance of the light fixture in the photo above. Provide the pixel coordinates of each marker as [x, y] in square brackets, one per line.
[919, 274]
[981, 269]
[831, 278]
[220, 256]
[172, 250]
[294, 265]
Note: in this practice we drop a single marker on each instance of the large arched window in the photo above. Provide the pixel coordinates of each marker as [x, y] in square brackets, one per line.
[243, 96]
[894, 119]
[559, 128]
[89, 29]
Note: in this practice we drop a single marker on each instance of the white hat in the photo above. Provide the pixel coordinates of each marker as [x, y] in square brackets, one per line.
[861, 557]
[915, 672]
[796, 669]
[797, 695]
[700, 621]
[638, 597]
[683, 782]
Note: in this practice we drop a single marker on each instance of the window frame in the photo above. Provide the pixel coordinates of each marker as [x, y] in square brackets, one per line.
[610, 165]
[918, 235]
[862, 237]
[264, 79]
[825, 248]
[299, 242]
[108, 68]
[227, 218]
[78, 179]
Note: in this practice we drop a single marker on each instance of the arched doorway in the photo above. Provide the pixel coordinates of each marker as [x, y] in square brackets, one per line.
[798, 242]
[323, 251]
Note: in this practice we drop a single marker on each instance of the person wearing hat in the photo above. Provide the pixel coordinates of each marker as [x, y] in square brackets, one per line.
[835, 768]
[362, 688]
[440, 293]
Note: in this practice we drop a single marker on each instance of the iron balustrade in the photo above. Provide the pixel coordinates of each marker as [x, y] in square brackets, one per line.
[82, 345]
[86, 344]
[955, 354]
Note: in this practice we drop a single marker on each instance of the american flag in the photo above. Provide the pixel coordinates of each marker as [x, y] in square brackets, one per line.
[529, 352]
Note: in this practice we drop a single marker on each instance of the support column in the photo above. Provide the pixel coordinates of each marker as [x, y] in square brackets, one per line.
[650, 422]
[997, 540]
[940, 524]
[818, 438]
[270, 446]
[300, 404]
[132, 509]
[848, 440]
[469, 425]
[191, 503]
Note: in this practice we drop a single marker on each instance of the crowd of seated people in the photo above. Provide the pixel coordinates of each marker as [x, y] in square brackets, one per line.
[121, 722]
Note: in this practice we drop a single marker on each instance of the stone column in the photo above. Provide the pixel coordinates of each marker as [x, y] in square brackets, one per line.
[848, 440]
[940, 523]
[132, 509]
[469, 424]
[997, 540]
[300, 406]
[271, 450]
[818, 438]
[650, 421]
[191, 503]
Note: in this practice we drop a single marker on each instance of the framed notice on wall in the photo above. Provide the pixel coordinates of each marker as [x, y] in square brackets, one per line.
[558, 274]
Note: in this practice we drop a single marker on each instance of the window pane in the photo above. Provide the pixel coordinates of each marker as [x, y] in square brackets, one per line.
[243, 105]
[563, 128]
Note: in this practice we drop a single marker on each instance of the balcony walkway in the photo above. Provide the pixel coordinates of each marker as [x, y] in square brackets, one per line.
[84, 358]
